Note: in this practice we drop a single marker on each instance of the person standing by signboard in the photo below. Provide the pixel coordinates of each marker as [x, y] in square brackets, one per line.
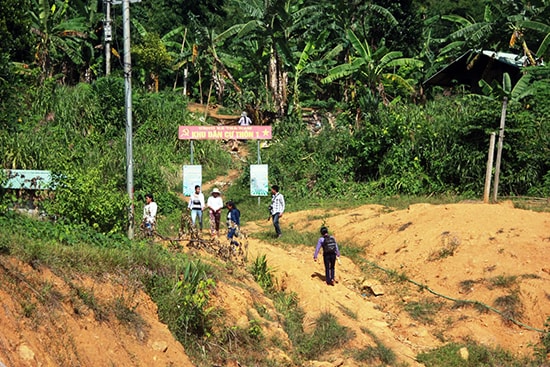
[215, 206]
[196, 205]
[245, 120]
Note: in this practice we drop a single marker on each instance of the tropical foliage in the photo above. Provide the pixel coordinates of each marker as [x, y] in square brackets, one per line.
[340, 82]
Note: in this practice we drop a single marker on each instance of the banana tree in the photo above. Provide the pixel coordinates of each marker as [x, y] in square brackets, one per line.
[373, 69]
[518, 36]
[508, 93]
[268, 26]
[497, 20]
[60, 38]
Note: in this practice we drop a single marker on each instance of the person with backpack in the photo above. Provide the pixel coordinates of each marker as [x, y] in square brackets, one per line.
[330, 253]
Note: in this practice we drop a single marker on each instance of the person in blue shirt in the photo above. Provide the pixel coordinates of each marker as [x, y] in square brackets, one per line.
[330, 253]
[233, 222]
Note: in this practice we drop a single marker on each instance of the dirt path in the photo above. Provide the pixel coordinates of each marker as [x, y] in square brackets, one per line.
[461, 251]
[444, 247]
[297, 272]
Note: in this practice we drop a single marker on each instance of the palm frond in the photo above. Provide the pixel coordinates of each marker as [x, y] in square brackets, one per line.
[140, 28]
[456, 45]
[172, 33]
[544, 45]
[399, 80]
[457, 19]
[522, 88]
[339, 72]
[362, 49]
[535, 26]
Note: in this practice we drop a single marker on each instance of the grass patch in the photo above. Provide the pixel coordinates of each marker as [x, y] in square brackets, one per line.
[287, 305]
[501, 281]
[449, 356]
[379, 353]
[424, 310]
[466, 286]
[88, 299]
[510, 306]
[327, 336]
[262, 273]
[449, 246]
[346, 311]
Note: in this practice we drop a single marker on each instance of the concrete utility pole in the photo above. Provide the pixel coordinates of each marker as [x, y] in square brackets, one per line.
[108, 32]
[128, 105]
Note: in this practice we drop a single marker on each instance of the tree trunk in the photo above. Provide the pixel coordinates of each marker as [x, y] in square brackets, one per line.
[278, 81]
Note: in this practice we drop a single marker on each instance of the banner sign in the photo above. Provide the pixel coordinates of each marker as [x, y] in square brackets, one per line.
[224, 132]
[192, 175]
[27, 179]
[258, 180]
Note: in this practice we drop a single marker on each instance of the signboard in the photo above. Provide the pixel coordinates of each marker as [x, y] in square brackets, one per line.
[192, 175]
[27, 179]
[224, 132]
[258, 180]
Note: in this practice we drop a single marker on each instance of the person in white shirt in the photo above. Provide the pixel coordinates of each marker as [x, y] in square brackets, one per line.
[245, 120]
[276, 209]
[215, 206]
[149, 212]
[196, 205]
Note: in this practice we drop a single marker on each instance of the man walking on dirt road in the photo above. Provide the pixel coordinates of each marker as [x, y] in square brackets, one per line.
[277, 208]
[330, 253]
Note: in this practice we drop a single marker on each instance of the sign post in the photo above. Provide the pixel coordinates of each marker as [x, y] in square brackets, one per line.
[258, 173]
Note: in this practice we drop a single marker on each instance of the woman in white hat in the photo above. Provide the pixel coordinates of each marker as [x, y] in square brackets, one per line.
[215, 206]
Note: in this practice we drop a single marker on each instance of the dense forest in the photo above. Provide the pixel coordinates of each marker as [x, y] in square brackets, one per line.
[341, 82]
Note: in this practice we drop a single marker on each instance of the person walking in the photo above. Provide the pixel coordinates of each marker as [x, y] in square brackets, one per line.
[215, 206]
[330, 253]
[233, 222]
[244, 120]
[276, 209]
[149, 213]
[196, 205]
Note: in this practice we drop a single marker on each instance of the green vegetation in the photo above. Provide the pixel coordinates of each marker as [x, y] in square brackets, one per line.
[175, 283]
[449, 356]
[424, 310]
[380, 353]
[327, 335]
[341, 87]
[262, 273]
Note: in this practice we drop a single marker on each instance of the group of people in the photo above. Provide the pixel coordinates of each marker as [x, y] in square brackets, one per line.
[214, 204]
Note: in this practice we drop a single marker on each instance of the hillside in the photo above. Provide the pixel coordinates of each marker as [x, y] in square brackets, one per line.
[466, 251]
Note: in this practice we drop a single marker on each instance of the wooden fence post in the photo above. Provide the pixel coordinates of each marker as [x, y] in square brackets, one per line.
[488, 172]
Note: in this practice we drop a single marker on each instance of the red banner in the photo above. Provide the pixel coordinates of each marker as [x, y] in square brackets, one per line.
[224, 132]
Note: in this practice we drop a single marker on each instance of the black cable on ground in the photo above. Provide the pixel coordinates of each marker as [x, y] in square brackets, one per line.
[425, 287]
